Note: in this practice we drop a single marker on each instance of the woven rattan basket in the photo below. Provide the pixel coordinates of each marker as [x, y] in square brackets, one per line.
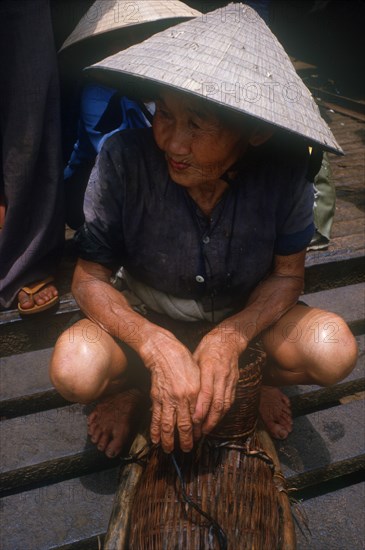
[226, 493]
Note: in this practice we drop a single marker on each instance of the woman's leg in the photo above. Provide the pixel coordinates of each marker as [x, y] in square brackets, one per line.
[306, 346]
[88, 365]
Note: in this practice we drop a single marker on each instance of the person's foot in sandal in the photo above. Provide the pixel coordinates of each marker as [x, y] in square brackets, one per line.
[37, 297]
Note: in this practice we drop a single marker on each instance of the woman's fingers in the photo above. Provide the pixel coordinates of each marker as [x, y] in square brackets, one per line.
[155, 428]
[218, 386]
[217, 407]
[164, 420]
[205, 396]
[190, 393]
[168, 421]
[173, 404]
[185, 428]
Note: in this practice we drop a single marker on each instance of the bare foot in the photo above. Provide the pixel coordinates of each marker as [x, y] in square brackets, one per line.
[111, 423]
[275, 412]
[44, 295]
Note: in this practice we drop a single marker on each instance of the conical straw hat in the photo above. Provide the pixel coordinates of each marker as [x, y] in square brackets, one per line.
[111, 15]
[229, 57]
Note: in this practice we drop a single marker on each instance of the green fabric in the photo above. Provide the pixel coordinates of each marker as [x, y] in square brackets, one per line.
[325, 199]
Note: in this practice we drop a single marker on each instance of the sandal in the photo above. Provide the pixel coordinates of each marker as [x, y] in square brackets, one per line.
[33, 289]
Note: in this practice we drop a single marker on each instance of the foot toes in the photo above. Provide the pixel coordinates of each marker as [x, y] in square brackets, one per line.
[103, 442]
[45, 295]
[96, 434]
[281, 433]
[113, 449]
[276, 412]
[109, 425]
[25, 300]
[286, 418]
[39, 298]
[92, 418]
[285, 399]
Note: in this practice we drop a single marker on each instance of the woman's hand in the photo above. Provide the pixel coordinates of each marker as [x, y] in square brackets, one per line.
[217, 357]
[175, 378]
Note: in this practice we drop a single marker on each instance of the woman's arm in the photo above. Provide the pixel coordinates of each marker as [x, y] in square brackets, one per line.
[271, 298]
[218, 353]
[175, 376]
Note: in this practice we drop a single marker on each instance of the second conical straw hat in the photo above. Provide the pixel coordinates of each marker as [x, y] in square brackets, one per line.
[111, 15]
[231, 58]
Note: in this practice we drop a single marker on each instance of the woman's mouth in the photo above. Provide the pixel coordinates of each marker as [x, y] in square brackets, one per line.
[178, 166]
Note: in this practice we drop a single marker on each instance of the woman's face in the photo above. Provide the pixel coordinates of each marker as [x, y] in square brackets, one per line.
[198, 147]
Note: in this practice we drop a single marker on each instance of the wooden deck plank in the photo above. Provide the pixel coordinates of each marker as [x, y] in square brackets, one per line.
[43, 436]
[58, 514]
[25, 387]
[54, 446]
[348, 302]
[349, 201]
[25, 374]
[336, 520]
[321, 439]
[19, 335]
[349, 227]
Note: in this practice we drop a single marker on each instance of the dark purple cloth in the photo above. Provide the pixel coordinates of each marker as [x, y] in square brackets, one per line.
[136, 216]
[31, 164]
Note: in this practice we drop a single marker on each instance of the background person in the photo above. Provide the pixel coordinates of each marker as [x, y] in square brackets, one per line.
[32, 235]
[98, 110]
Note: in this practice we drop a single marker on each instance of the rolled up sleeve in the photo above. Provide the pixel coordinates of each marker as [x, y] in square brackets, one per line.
[296, 226]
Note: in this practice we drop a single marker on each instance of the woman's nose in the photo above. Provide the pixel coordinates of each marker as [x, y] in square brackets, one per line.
[179, 142]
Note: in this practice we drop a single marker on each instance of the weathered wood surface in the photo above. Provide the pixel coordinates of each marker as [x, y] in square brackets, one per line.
[335, 519]
[118, 528]
[33, 391]
[322, 439]
[45, 446]
[55, 514]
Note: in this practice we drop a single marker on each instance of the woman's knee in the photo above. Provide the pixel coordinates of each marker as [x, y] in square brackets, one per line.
[316, 343]
[334, 353]
[80, 365]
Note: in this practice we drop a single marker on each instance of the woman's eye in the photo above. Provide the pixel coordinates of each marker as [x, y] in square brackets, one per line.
[194, 125]
[162, 113]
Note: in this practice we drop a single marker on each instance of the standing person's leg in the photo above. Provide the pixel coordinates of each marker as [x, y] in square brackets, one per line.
[31, 167]
[306, 346]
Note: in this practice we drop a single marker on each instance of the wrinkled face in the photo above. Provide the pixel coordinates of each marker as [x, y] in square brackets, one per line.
[198, 147]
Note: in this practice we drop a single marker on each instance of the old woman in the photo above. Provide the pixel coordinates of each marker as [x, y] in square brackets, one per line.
[209, 212]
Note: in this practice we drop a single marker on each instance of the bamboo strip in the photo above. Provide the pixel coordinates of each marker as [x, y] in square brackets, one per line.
[117, 534]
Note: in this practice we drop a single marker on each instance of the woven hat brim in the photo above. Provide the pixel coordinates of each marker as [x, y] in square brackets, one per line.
[111, 15]
[236, 63]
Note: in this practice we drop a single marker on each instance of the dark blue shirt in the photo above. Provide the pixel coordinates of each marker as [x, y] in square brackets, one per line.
[136, 216]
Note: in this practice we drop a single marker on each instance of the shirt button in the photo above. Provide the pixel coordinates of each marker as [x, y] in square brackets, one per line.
[199, 279]
[206, 240]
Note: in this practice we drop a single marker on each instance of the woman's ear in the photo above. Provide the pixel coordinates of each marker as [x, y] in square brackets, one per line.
[260, 134]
